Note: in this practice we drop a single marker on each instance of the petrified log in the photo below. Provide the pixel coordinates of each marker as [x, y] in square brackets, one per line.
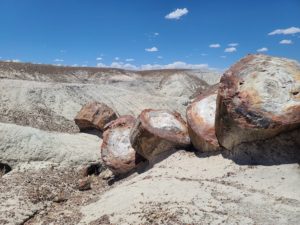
[158, 131]
[116, 150]
[94, 115]
[258, 98]
[201, 121]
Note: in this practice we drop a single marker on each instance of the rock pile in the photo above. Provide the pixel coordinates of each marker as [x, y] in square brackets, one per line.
[257, 98]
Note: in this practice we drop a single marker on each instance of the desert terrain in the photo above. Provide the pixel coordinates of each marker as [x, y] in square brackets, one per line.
[43, 156]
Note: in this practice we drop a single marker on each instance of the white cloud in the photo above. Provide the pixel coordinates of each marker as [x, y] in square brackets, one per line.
[264, 49]
[159, 57]
[101, 65]
[83, 65]
[156, 34]
[13, 60]
[129, 60]
[214, 45]
[290, 30]
[75, 65]
[58, 60]
[175, 15]
[174, 65]
[153, 49]
[231, 49]
[117, 58]
[286, 42]
[233, 44]
[99, 58]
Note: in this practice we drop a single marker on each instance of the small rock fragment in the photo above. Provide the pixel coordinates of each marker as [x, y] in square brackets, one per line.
[84, 184]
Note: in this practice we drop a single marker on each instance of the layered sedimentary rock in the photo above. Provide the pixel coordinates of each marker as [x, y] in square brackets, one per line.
[94, 115]
[201, 121]
[116, 150]
[158, 131]
[258, 98]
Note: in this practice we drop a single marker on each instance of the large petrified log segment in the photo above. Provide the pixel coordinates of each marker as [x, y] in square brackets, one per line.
[116, 150]
[158, 131]
[201, 121]
[258, 98]
[94, 115]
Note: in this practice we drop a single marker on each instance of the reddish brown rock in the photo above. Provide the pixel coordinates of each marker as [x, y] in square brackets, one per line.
[158, 131]
[116, 150]
[201, 121]
[258, 98]
[94, 115]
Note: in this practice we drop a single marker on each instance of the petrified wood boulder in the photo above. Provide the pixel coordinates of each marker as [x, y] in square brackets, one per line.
[158, 131]
[201, 121]
[94, 115]
[258, 98]
[116, 150]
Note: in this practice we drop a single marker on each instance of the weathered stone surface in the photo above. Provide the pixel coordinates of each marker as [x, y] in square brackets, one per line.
[258, 98]
[158, 131]
[116, 150]
[94, 115]
[201, 121]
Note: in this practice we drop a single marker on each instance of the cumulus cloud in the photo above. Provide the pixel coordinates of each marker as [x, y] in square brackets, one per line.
[75, 65]
[176, 14]
[233, 44]
[174, 65]
[231, 49]
[58, 60]
[13, 60]
[286, 42]
[129, 60]
[99, 58]
[153, 49]
[264, 49]
[290, 30]
[101, 65]
[119, 65]
[156, 34]
[215, 45]
[117, 58]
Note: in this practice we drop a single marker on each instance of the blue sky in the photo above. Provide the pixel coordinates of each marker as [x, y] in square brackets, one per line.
[147, 33]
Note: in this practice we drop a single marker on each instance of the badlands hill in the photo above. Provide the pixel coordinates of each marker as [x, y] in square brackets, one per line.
[47, 158]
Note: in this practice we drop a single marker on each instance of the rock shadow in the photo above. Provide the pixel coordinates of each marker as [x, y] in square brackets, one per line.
[4, 168]
[282, 149]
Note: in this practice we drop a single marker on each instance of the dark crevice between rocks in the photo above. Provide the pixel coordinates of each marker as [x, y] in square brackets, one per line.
[94, 169]
[4, 169]
[92, 131]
